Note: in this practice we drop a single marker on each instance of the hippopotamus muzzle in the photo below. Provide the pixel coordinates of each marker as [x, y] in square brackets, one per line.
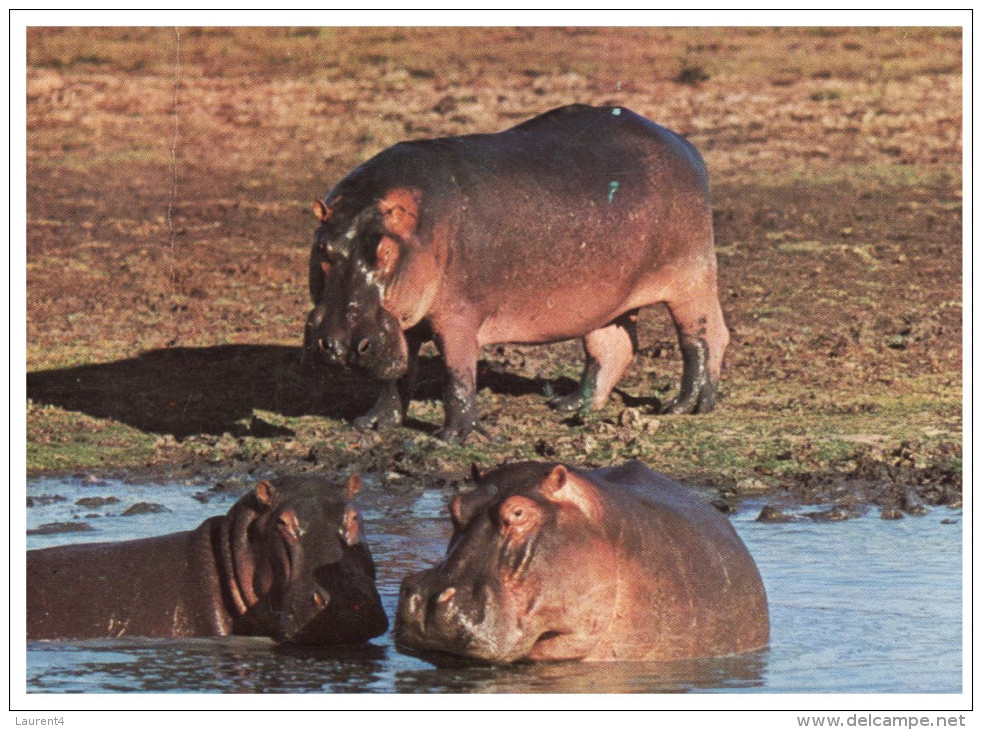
[377, 347]
[351, 614]
[456, 617]
[329, 579]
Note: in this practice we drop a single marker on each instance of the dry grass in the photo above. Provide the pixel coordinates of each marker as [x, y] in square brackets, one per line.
[461, 55]
[835, 156]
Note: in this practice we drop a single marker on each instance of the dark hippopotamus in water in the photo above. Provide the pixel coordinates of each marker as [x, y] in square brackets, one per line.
[287, 561]
[547, 562]
[561, 227]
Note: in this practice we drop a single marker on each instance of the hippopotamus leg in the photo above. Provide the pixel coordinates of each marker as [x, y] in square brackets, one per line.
[393, 400]
[609, 351]
[703, 338]
[460, 350]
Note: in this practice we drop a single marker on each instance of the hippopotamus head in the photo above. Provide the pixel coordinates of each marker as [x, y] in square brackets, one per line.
[529, 571]
[297, 566]
[365, 253]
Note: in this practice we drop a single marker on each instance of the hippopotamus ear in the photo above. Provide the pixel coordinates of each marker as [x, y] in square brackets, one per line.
[355, 485]
[457, 515]
[563, 486]
[465, 505]
[265, 493]
[400, 211]
[322, 212]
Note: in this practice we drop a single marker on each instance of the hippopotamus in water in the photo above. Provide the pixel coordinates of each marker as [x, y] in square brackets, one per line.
[287, 561]
[559, 228]
[547, 562]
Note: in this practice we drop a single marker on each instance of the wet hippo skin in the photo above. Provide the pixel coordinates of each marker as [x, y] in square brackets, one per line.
[287, 561]
[549, 562]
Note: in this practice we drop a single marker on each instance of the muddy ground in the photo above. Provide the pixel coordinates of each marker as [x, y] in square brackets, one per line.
[170, 179]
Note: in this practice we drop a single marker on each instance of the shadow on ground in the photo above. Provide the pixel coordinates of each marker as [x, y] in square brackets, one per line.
[212, 390]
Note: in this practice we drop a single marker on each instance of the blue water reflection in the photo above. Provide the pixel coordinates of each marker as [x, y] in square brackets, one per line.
[861, 606]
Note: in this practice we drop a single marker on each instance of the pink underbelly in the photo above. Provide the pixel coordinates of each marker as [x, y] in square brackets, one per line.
[570, 312]
[543, 323]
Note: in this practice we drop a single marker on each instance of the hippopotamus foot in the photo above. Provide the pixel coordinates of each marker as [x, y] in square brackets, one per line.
[453, 434]
[456, 431]
[389, 409]
[382, 415]
[703, 338]
[581, 399]
[460, 399]
[698, 392]
[701, 401]
[609, 351]
[571, 403]
[393, 400]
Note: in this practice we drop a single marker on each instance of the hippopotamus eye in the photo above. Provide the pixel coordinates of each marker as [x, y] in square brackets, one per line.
[518, 517]
[289, 525]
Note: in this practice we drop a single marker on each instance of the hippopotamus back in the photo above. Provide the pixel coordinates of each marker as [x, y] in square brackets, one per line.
[166, 586]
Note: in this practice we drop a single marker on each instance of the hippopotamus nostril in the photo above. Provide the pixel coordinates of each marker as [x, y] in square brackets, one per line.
[364, 346]
[333, 348]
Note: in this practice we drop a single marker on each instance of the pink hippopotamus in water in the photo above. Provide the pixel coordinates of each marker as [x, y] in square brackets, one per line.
[549, 562]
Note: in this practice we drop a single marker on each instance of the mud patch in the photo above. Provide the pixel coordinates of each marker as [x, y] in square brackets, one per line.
[58, 528]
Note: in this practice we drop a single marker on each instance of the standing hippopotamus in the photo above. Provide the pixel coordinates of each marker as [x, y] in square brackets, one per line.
[561, 227]
[548, 562]
[287, 561]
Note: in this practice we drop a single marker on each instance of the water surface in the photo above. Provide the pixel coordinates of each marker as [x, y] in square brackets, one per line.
[861, 606]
